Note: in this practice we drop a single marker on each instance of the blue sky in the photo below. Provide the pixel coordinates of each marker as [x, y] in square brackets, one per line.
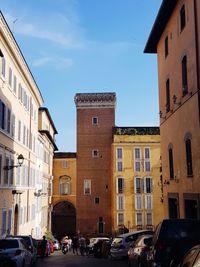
[88, 46]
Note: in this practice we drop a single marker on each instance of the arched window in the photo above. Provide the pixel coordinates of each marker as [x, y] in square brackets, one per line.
[64, 185]
[184, 76]
[188, 148]
[171, 162]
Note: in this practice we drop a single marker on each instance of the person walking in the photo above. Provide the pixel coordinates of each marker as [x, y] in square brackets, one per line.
[43, 246]
[75, 245]
[82, 245]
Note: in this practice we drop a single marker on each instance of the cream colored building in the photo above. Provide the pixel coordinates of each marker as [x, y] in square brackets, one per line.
[20, 100]
[137, 200]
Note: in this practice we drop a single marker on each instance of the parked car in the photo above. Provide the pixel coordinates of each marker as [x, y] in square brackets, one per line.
[6, 261]
[120, 244]
[16, 250]
[94, 248]
[172, 239]
[191, 258]
[138, 252]
[31, 246]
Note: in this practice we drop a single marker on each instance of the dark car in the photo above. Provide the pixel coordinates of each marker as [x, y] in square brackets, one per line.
[137, 254]
[120, 244]
[172, 239]
[191, 258]
[31, 246]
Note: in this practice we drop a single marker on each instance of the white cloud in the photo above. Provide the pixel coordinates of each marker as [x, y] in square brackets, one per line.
[58, 63]
[70, 37]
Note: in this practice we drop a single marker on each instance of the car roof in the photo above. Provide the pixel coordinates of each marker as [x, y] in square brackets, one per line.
[134, 232]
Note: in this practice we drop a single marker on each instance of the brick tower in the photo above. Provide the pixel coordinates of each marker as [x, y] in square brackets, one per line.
[95, 119]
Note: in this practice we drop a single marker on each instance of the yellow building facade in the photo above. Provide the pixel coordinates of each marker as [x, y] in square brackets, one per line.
[137, 200]
[64, 194]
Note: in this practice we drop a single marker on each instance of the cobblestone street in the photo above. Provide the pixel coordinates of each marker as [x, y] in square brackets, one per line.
[57, 259]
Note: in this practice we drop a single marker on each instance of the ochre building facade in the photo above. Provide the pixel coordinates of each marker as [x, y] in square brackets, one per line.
[175, 37]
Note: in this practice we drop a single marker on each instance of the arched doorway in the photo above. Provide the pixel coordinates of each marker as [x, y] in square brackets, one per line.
[63, 219]
[16, 220]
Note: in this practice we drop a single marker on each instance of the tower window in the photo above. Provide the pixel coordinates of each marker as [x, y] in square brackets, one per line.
[166, 47]
[182, 17]
[94, 120]
[184, 76]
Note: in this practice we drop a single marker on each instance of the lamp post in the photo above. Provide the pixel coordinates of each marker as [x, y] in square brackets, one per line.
[20, 162]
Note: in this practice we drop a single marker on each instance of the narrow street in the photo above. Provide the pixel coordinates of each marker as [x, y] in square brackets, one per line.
[57, 259]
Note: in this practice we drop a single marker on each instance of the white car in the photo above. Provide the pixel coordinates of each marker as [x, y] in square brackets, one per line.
[16, 249]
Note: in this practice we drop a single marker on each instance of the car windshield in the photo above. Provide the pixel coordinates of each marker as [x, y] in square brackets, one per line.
[8, 243]
[117, 240]
[27, 240]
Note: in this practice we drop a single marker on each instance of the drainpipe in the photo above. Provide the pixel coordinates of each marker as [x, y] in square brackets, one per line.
[197, 53]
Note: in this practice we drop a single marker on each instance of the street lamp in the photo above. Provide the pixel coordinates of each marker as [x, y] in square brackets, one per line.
[20, 162]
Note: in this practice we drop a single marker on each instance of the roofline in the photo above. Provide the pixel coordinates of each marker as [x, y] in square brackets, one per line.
[50, 138]
[49, 116]
[164, 13]
[1, 14]
[62, 155]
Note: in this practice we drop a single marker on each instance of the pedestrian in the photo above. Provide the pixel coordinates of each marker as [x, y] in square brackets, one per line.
[43, 246]
[87, 242]
[82, 245]
[75, 245]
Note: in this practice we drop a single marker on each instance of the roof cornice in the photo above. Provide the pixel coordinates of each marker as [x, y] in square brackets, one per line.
[166, 9]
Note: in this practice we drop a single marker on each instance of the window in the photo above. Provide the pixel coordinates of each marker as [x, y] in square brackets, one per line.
[138, 202]
[19, 130]
[171, 163]
[95, 153]
[65, 185]
[148, 185]
[15, 84]
[94, 120]
[24, 135]
[138, 185]
[120, 218]
[10, 77]
[166, 46]
[119, 153]
[184, 76]
[148, 202]
[64, 164]
[137, 153]
[149, 218]
[167, 95]
[96, 200]
[2, 115]
[120, 185]
[188, 148]
[12, 172]
[182, 17]
[137, 159]
[4, 222]
[87, 187]
[8, 120]
[13, 126]
[138, 218]
[3, 71]
[119, 166]
[6, 172]
[120, 202]
[9, 221]
[147, 165]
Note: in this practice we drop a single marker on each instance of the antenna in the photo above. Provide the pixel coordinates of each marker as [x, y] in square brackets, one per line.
[14, 21]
